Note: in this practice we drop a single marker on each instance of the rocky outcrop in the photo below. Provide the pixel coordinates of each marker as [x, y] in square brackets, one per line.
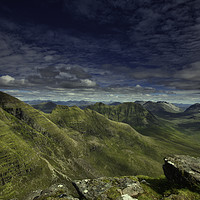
[183, 170]
[116, 188]
[56, 191]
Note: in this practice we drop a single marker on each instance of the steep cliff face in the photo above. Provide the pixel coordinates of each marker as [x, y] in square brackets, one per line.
[131, 113]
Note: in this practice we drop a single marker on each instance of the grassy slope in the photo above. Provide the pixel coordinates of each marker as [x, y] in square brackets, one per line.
[28, 138]
[108, 141]
[160, 188]
[186, 123]
[19, 162]
[170, 128]
[113, 148]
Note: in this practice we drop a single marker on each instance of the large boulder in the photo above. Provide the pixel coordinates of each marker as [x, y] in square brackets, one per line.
[183, 170]
[115, 188]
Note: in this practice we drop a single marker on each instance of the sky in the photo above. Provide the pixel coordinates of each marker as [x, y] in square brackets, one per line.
[100, 50]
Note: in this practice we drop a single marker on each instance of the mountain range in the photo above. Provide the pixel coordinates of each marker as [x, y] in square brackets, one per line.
[39, 149]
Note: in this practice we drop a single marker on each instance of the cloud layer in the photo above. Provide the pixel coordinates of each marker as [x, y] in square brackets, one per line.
[101, 47]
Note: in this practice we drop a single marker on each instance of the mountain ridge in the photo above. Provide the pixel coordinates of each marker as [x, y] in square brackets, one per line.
[128, 112]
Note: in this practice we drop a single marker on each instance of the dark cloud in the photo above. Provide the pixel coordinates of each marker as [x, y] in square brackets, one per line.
[64, 77]
[92, 44]
[48, 72]
[75, 70]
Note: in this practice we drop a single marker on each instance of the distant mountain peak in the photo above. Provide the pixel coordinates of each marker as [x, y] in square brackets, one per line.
[161, 107]
[195, 108]
[45, 107]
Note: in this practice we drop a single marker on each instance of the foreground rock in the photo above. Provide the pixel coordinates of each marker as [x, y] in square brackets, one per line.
[183, 170]
[116, 188]
[52, 193]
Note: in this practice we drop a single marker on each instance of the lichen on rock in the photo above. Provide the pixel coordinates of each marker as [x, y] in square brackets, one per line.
[126, 187]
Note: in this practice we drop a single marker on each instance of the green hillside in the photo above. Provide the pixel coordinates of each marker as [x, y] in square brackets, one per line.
[120, 143]
[38, 149]
[166, 129]
[34, 152]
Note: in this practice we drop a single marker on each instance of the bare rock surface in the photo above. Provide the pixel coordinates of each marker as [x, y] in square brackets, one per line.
[183, 170]
[116, 188]
[56, 191]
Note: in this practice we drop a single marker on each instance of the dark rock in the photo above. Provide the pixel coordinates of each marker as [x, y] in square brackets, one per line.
[46, 192]
[115, 188]
[56, 190]
[183, 170]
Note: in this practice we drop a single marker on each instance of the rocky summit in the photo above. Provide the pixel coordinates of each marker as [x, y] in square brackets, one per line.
[118, 188]
[183, 170]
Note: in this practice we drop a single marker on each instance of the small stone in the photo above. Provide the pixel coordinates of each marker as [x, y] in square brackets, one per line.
[62, 195]
[144, 182]
[127, 197]
[60, 186]
[133, 190]
[85, 191]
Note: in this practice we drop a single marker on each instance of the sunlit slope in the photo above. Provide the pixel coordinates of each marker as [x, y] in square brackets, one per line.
[34, 152]
[112, 147]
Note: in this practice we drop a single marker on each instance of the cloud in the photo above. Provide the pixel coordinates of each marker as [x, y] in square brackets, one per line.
[107, 46]
[9, 81]
[63, 76]
[131, 90]
[75, 70]
[88, 83]
[190, 72]
[83, 83]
